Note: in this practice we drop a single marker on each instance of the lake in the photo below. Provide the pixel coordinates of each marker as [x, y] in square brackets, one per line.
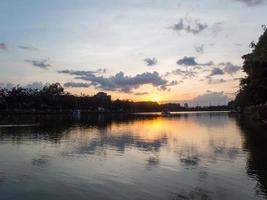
[136, 156]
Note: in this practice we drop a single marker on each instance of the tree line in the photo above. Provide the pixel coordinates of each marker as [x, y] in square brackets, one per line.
[53, 98]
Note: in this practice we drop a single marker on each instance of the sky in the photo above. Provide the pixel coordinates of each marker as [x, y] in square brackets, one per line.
[152, 50]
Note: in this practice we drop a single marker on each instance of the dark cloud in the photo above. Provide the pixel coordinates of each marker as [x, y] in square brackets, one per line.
[76, 85]
[200, 49]
[216, 81]
[187, 61]
[151, 61]
[186, 74]
[120, 82]
[141, 93]
[190, 26]
[252, 2]
[230, 68]
[27, 48]
[82, 73]
[191, 61]
[39, 63]
[3, 46]
[216, 71]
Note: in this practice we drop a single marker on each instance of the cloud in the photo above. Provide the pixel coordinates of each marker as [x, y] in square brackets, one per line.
[200, 49]
[82, 73]
[190, 26]
[211, 98]
[39, 63]
[27, 48]
[230, 68]
[35, 85]
[252, 2]
[76, 85]
[187, 61]
[216, 71]
[141, 93]
[151, 61]
[227, 67]
[120, 82]
[186, 74]
[7, 86]
[3, 46]
[216, 28]
[191, 61]
[216, 81]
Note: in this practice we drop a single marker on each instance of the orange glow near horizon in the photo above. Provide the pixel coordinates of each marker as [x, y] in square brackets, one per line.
[154, 98]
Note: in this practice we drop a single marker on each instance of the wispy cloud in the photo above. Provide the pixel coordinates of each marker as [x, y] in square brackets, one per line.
[34, 85]
[82, 73]
[200, 49]
[44, 64]
[252, 2]
[141, 93]
[216, 28]
[76, 85]
[186, 74]
[215, 81]
[151, 61]
[27, 48]
[189, 25]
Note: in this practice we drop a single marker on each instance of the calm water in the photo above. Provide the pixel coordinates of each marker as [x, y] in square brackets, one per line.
[187, 156]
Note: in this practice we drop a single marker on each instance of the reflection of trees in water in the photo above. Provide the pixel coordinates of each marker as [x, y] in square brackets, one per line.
[2, 178]
[120, 143]
[190, 161]
[53, 133]
[256, 144]
[195, 194]
[152, 161]
[54, 127]
[209, 119]
[221, 150]
[189, 156]
[42, 161]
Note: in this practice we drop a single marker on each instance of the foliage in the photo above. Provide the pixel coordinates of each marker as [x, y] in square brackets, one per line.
[53, 98]
[253, 88]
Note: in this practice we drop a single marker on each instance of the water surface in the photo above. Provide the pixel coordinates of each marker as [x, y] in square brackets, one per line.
[186, 156]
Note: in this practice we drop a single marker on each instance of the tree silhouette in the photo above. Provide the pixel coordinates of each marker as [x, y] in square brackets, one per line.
[253, 88]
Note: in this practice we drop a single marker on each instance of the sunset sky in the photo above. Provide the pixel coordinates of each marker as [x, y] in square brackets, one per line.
[160, 50]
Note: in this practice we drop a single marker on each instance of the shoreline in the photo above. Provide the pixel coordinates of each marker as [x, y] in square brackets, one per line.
[37, 112]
